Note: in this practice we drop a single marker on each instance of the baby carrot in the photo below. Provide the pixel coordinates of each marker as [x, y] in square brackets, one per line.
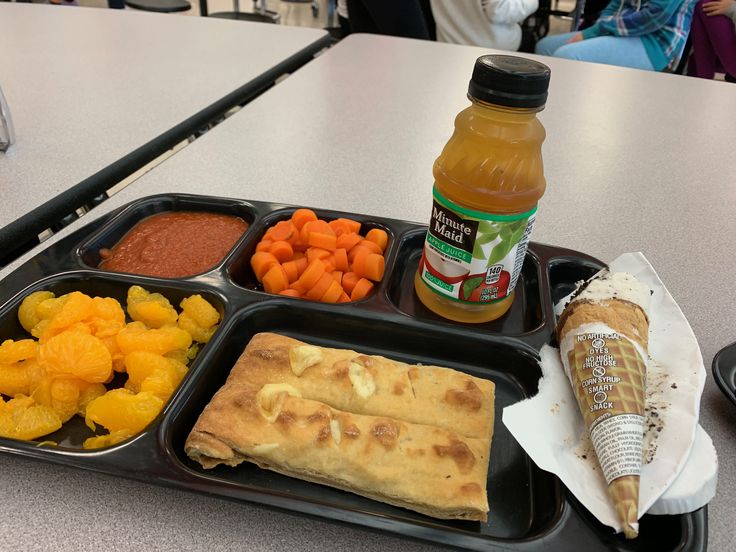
[359, 266]
[298, 287]
[344, 298]
[317, 253]
[311, 274]
[301, 264]
[263, 245]
[261, 262]
[284, 231]
[353, 225]
[372, 246]
[319, 289]
[275, 279]
[349, 279]
[302, 216]
[337, 276]
[361, 289]
[379, 237]
[339, 226]
[341, 259]
[357, 250]
[348, 241]
[292, 272]
[333, 293]
[281, 250]
[325, 241]
[290, 292]
[374, 267]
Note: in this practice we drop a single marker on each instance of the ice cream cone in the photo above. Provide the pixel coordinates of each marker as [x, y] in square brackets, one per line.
[603, 342]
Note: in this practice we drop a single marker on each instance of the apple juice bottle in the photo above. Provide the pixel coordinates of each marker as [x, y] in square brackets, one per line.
[488, 180]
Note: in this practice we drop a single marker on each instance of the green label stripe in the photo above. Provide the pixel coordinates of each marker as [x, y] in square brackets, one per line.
[428, 276]
[478, 214]
[448, 249]
[436, 281]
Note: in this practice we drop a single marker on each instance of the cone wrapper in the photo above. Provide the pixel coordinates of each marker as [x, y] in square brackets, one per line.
[675, 376]
[608, 376]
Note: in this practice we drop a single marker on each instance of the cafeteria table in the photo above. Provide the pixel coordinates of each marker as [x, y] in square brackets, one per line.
[634, 161]
[96, 94]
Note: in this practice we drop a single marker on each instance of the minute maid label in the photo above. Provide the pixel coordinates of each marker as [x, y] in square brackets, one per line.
[471, 256]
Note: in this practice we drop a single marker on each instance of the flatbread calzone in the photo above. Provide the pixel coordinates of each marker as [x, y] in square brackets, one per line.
[412, 436]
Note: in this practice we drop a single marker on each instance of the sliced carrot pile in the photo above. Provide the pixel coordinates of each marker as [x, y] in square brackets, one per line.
[328, 261]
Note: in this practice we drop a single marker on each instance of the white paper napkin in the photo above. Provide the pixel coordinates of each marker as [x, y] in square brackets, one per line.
[551, 429]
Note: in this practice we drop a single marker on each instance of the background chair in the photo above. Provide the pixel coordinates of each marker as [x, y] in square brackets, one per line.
[260, 13]
[160, 6]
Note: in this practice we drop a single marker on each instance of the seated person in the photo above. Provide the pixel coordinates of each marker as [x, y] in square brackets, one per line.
[714, 39]
[643, 34]
[488, 23]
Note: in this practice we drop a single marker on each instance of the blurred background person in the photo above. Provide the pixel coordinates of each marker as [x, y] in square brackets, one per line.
[714, 39]
[488, 23]
[642, 34]
[388, 17]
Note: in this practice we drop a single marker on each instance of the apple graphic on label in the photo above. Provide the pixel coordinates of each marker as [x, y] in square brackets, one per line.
[447, 271]
[473, 286]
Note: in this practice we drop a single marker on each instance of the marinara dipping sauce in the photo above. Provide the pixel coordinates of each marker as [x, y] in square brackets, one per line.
[175, 244]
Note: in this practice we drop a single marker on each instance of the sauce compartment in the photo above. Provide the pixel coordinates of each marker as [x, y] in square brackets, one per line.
[73, 432]
[239, 268]
[524, 499]
[118, 226]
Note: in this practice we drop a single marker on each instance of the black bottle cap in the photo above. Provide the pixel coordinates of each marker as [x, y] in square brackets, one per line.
[510, 81]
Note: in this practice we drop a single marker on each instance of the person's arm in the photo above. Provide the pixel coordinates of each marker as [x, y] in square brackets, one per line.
[510, 11]
[653, 15]
[721, 7]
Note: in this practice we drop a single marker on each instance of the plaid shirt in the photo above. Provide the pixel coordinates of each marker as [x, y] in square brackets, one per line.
[662, 25]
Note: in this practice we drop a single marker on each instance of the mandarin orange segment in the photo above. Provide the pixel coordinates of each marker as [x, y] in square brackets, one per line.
[108, 318]
[87, 394]
[72, 353]
[199, 318]
[15, 351]
[121, 409]
[22, 418]
[50, 307]
[136, 337]
[200, 310]
[154, 373]
[60, 394]
[74, 311]
[14, 380]
[27, 315]
[153, 309]
[108, 440]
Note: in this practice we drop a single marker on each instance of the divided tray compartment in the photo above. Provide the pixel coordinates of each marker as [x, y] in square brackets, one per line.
[73, 433]
[530, 508]
[111, 233]
[526, 500]
[724, 371]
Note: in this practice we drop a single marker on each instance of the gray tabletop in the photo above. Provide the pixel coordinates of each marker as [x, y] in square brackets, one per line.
[88, 86]
[635, 161]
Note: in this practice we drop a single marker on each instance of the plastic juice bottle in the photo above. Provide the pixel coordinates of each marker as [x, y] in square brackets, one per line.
[488, 180]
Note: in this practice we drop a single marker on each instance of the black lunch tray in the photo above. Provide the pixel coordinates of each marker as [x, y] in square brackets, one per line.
[530, 509]
[724, 371]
